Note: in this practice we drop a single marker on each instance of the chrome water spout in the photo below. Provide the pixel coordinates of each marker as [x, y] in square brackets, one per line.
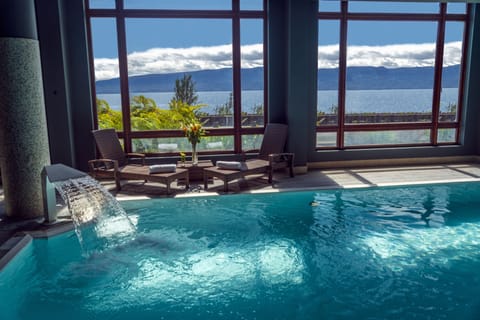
[50, 174]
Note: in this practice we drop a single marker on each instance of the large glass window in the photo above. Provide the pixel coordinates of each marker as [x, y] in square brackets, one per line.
[328, 63]
[165, 60]
[389, 82]
[396, 70]
[451, 71]
[200, 49]
[107, 84]
[252, 97]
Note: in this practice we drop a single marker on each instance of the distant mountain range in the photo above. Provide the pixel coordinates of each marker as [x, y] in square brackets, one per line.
[358, 78]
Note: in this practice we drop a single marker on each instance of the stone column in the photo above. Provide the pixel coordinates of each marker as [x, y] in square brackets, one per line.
[24, 149]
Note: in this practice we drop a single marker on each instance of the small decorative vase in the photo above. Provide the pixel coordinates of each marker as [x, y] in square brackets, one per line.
[194, 154]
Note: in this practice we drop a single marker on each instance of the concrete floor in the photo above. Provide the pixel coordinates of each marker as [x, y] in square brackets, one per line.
[314, 179]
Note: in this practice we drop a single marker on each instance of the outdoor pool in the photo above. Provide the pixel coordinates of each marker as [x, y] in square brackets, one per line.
[376, 253]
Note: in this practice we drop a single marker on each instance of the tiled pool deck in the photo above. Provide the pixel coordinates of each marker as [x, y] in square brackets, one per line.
[314, 179]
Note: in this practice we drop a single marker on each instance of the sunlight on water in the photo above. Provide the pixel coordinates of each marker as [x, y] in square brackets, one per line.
[281, 262]
[230, 272]
[412, 246]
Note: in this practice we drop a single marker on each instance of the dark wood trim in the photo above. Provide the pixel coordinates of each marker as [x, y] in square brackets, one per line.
[394, 16]
[265, 63]
[123, 71]
[93, 88]
[388, 126]
[437, 81]
[159, 13]
[237, 76]
[342, 75]
[380, 146]
[179, 133]
[461, 85]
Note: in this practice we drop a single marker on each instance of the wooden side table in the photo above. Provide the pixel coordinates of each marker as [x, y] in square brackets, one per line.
[195, 173]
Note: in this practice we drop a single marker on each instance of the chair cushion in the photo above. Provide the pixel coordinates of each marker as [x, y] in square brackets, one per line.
[231, 165]
[162, 168]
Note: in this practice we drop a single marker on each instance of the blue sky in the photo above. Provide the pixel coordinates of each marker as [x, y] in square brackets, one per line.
[177, 45]
[144, 34]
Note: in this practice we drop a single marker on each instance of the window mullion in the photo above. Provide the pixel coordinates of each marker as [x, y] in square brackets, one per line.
[236, 64]
[466, 35]
[124, 88]
[342, 76]
[92, 71]
[437, 83]
[265, 63]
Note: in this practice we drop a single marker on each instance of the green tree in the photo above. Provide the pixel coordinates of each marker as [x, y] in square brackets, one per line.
[107, 117]
[183, 113]
[144, 114]
[185, 90]
[142, 104]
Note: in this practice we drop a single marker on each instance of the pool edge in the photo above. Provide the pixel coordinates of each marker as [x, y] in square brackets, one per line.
[15, 244]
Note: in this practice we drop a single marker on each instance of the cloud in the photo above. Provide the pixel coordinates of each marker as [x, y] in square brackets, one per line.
[390, 56]
[170, 60]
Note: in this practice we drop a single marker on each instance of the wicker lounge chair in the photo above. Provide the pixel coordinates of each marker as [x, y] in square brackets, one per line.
[114, 163]
[270, 158]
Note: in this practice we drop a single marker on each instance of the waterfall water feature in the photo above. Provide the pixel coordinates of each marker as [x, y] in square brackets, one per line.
[100, 222]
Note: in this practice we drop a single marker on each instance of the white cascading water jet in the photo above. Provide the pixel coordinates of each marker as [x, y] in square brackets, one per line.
[100, 222]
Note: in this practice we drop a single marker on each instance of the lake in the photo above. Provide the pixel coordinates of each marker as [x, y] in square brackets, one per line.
[391, 100]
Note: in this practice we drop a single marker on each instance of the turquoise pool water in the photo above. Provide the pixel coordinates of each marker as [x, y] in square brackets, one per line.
[385, 253]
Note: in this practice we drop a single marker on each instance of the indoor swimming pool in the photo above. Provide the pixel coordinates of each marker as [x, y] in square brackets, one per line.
[376, 253]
